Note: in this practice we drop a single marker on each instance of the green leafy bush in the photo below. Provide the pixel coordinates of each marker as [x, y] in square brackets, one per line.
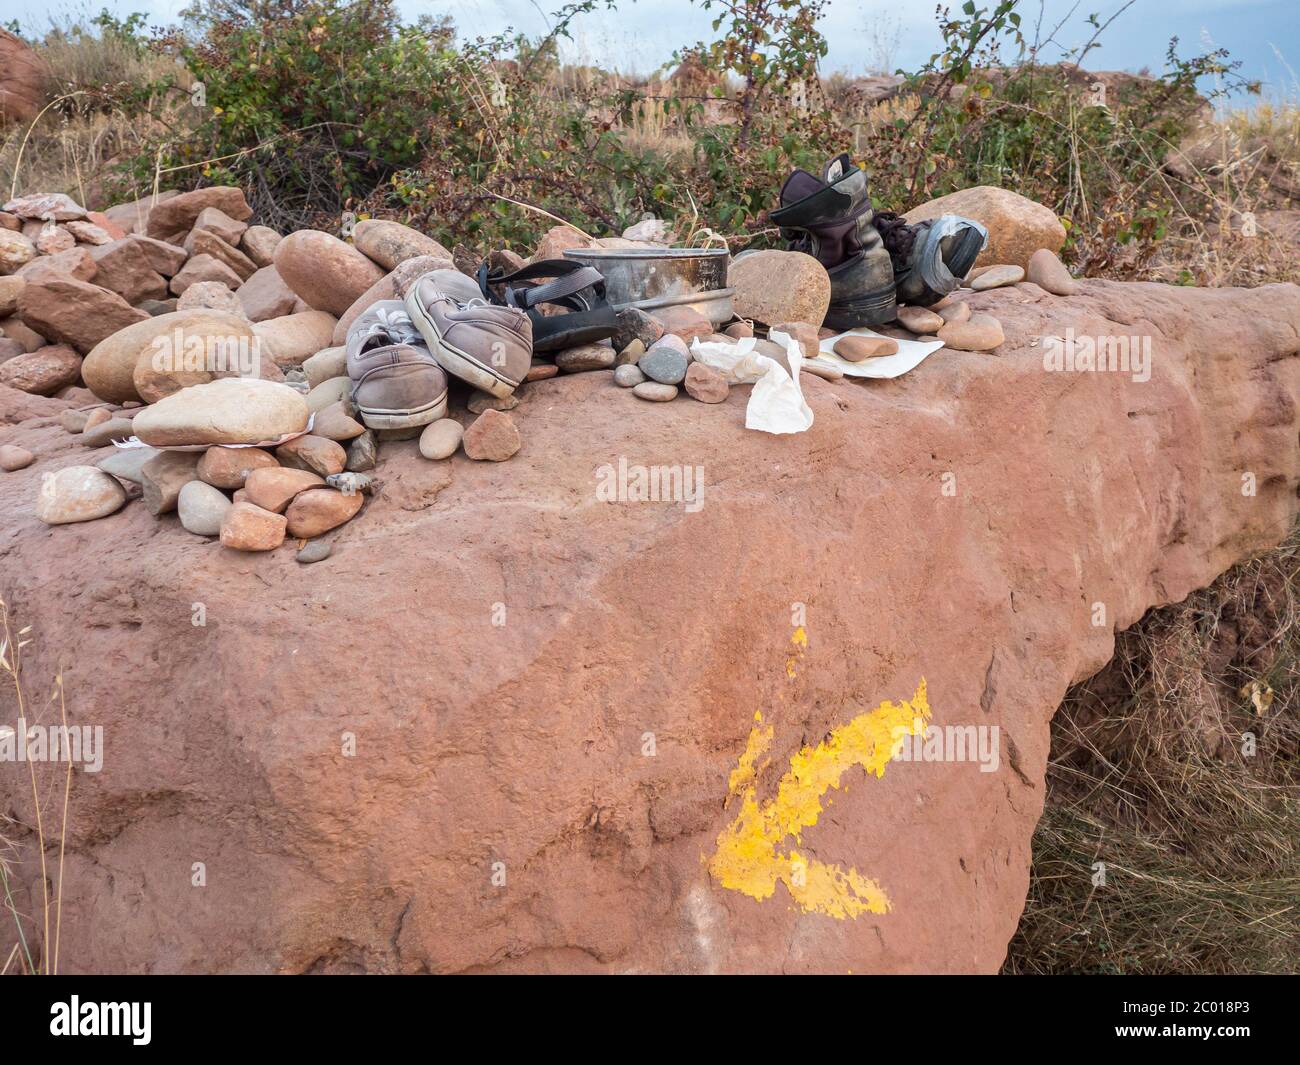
[308, 109]
[321, 106]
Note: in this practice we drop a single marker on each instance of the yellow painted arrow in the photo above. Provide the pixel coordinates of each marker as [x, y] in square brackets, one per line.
[749, 856]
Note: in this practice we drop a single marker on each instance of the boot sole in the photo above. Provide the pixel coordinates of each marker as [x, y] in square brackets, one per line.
[876, 309]
[378, 418]
[453, 360]
[963, 259]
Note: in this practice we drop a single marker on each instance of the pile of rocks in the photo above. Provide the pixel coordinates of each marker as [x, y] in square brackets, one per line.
[195, 455]
[175, 322]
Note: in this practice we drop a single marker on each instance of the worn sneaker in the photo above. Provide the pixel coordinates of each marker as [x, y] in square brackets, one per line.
[490, 347]
[396, 382]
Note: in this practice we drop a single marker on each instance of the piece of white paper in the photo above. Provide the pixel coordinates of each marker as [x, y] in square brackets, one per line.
[776, 404]
[911, 353]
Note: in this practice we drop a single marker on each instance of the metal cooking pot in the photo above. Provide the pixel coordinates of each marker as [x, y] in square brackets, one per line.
[653, 278]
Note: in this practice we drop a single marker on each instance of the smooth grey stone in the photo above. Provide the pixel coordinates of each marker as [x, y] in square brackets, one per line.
[314, 551]
[664, 363]
[126, 463]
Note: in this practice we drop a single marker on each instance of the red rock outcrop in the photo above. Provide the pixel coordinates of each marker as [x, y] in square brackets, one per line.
[498, 727]
[24, 79]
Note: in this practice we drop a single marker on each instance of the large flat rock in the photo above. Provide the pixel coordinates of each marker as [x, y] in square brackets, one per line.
[551, 697]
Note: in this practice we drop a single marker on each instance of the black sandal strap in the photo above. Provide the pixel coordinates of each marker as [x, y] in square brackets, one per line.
[559, 290]
[540, 269]
[575, 286]
[566, 280]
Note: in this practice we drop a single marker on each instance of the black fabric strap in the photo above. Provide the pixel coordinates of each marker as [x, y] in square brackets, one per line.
[570, 278]
[555, 291]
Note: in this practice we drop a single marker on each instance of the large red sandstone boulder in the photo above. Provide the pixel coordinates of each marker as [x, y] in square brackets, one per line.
[125, 267]
[10, 288]
[43, 371]
[120, 363]
[774, 286]
[327, 274]
[16, 250]
[78, 262]
[24, 80]
[172, 219]
[133, 217]
[293, 338]
[389, 243]
[204, 268]
[68, 311]
[45, 207]
[510, 726]
[265, 295]
[163, 257]
[1017, 226]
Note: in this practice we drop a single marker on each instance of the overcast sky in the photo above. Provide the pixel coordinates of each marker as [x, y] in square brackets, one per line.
[641, 34]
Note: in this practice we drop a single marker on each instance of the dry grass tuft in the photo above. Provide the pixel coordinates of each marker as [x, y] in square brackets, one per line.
[1150, 775]
[73, 143]
[36, 947]
[1246, 166]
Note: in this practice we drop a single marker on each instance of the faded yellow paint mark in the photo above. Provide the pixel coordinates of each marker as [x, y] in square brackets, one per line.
[749, 856]
[800, 641]
[743, 775]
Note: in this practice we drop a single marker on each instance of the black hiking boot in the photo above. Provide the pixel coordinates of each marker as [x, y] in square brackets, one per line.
[830, 218]
[930, 258]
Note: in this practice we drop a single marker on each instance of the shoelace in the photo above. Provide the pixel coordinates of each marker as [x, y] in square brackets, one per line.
[460, 304]
[394, 326]
[896, 235]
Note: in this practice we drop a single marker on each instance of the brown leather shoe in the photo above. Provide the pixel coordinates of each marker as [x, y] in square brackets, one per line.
[490, 347]
[396, 382]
